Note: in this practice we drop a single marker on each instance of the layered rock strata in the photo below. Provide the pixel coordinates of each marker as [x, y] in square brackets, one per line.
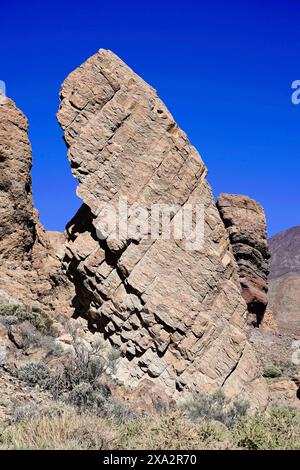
[245, 222]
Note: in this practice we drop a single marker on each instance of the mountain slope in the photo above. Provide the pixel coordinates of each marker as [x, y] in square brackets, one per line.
[284, 279]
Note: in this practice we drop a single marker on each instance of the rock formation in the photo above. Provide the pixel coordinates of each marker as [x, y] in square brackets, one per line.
[284, 279]
[175, 312]
[245, 222]
[17, 229]
[30, 266]
[164, 292]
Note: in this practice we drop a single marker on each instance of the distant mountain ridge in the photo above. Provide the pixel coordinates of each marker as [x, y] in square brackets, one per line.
[284, 279]
[285, 250]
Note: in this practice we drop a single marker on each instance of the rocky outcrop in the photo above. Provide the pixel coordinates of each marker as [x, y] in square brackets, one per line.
[245, 222]
[173, 307]
[30, 265]
[284, 280]
[17, 231]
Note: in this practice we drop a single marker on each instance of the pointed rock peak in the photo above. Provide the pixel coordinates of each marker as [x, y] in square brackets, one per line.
[172, 308]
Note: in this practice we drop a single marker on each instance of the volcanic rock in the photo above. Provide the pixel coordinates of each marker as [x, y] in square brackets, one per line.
[17, 229]
[245, 222]
[173, 308]
[284, 279]
[30, 268]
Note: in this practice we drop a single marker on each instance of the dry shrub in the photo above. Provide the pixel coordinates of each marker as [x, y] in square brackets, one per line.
[64, 429]
[20, 313]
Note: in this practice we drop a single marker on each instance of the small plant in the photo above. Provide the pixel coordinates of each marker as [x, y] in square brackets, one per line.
[271, 371]
[90, 363]
[277, 429]
[9, 320]
[58, 430]
[20, 413]
[34, 315]
[79, 380]
[85, 396]
[216, 407]
[35, 374]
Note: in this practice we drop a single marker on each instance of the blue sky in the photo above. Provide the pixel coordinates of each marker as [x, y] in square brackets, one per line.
[224, 69]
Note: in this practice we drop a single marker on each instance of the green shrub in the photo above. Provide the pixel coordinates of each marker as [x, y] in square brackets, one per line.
[277, 429]
[33, 314]
[271, 371]
[61, 426]
[216, 407]
[35, 373]
[21, 413]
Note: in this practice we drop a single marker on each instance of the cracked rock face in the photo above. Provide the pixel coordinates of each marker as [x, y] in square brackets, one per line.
[30, 267]
[17, 229]
[245, 222]
[176, 314]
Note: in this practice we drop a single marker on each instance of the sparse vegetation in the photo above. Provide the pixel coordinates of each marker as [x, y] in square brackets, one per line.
[278, 429]
[13, 313]
[216, 407]
[84, 414]
[35, 374]
[61, 429]
[65, 427]
[271, 371]
[79, 380]
[2, 355]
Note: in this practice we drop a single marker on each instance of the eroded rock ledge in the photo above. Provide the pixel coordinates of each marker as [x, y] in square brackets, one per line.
[177, 315]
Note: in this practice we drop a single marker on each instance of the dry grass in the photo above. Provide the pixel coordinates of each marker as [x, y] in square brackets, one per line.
[66, 429]
[62, 427]
[173, 431]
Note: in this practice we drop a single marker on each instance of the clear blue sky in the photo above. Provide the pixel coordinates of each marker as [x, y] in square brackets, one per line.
[224, 69]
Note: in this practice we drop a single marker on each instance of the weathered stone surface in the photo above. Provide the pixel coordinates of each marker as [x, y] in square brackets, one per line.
[281, 351]
[176, 314]
[17, 229]
[30, 267]
[284, 280]
[245, 222]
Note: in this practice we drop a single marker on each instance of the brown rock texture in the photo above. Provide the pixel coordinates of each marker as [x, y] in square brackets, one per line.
[283, 352]
[245, 222]
[30, 266]
[284, 279]
[17, 229]
[176, 314]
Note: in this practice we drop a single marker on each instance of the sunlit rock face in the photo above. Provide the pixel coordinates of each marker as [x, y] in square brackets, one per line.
[284, 279]
[30, 270]
[245, 222]
[176, 313]
[17, 229]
